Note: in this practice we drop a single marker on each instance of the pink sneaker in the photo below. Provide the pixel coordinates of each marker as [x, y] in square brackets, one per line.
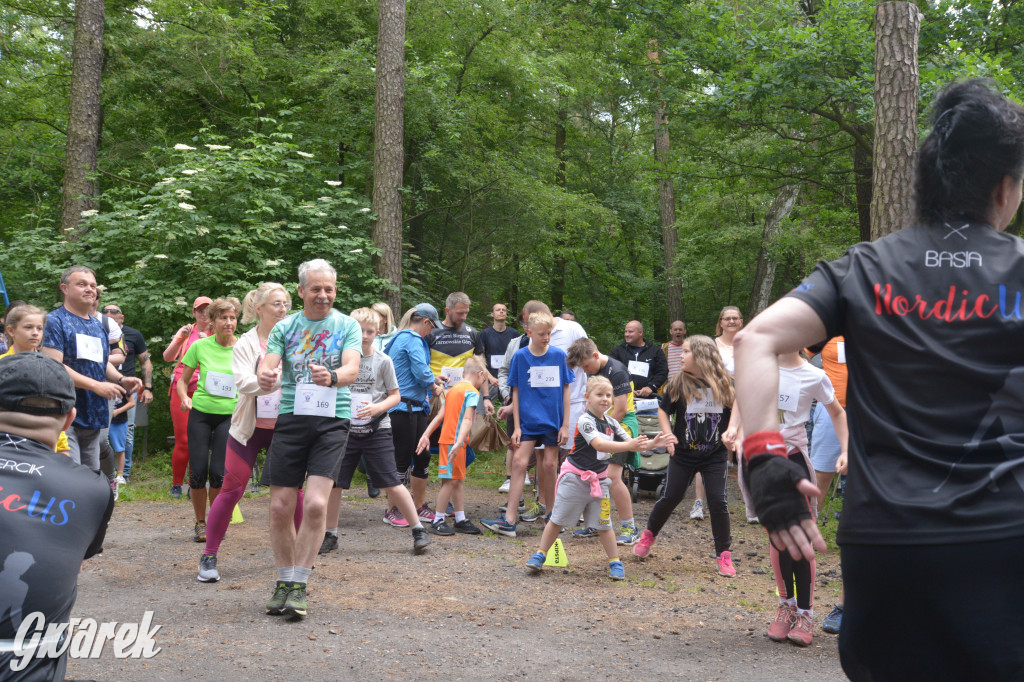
[394, 517]
[803, 628]
[725, 567]
[426, 513]
[643, 546]
[783, 623]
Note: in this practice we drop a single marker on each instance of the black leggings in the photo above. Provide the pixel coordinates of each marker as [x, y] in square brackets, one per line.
[406, 429]
[933, 612]
[714, 470]
[207, 441]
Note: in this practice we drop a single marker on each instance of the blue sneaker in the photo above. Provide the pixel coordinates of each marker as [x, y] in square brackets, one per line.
[501, 526]
[536, 562]
[616, 571]
[585, 533]
[833, 620]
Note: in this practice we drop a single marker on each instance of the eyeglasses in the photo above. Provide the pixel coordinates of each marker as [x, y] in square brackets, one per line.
[731, 319]
[111, 311]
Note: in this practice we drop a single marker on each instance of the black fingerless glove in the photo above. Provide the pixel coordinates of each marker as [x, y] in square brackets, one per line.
[772, 478]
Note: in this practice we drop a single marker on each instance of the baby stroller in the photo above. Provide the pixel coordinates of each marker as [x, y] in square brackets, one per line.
[653, 469]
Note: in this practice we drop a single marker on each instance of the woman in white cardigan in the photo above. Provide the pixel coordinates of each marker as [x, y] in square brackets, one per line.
[252, 424]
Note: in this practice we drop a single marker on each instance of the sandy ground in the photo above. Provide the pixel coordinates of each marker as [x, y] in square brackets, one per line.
[467, 609]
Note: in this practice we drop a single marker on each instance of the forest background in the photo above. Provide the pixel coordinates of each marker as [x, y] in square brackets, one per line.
[237, 139]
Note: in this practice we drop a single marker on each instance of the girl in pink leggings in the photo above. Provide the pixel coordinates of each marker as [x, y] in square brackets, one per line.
[252, 424]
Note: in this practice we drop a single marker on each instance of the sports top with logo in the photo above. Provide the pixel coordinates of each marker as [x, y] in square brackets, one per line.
[451, 347]
[216, 392]
[301, 342]
[55, 515]
[84, 343]
[583, 455]
[617, 373]
[698, 426]
[936, 452]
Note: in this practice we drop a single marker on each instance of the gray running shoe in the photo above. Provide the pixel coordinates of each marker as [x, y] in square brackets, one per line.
[208, 569]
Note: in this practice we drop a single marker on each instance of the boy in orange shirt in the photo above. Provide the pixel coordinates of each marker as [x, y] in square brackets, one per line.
[460, 405]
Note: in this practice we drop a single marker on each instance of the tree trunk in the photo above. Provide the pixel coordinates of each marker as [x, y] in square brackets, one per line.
[558, 269]
[83, 115]
[764, 278]
[666, 202]
[896, 84]
[862, 178]
[388, 156]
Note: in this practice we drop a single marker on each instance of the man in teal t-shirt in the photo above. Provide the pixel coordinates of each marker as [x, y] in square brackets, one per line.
[313, 355]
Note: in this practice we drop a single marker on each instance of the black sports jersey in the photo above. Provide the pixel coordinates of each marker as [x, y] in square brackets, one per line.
[53, 514]
[452, 347]
[583, 455]
[934, 320]
[134, 345]
[698, 427]
[615, 372]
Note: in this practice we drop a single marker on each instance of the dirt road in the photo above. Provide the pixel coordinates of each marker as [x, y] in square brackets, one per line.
[465, 610]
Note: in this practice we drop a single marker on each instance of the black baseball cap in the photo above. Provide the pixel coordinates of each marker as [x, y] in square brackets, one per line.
[25, 378]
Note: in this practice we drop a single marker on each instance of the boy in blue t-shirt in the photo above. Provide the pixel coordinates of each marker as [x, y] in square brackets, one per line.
[540, 378]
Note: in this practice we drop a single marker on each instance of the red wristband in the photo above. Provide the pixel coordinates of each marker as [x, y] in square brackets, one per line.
[764, 443]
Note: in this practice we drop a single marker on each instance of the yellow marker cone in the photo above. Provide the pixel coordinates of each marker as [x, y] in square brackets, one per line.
[556, 555]
[236, 516]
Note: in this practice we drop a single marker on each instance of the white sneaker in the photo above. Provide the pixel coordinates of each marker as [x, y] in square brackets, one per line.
[698, 510]
[503, 488]
[526, 481]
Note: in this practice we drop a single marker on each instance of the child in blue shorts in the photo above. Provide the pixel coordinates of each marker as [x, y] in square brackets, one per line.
[539, 377]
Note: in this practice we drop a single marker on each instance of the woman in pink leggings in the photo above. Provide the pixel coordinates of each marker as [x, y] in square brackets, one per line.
[183, 338]
[253, 421]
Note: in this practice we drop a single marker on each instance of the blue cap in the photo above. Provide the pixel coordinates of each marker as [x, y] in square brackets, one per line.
[428, 311]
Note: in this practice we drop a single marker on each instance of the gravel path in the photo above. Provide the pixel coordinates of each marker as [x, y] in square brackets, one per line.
[465, 610]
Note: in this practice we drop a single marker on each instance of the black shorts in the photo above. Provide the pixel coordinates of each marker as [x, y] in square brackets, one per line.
[304, 445]
[547, 439]
[933, 612]
[377, 449]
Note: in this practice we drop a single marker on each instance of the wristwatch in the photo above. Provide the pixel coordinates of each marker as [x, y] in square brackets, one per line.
[147, 388]
[334, 378]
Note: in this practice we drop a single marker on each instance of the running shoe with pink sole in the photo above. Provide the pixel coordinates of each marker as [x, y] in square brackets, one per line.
[643, 546]
[802, 632]
[394, 518]
[783, 623]
[725, 567]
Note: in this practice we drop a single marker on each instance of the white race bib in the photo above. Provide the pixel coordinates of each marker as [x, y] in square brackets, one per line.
[89, 348]
[219, 384]
[705, 404]
[318, 401]
[359, 401]
[841, 351]
[497, 361]
[267, 406]
[451, 375]
[645, 404]
[544, 377]
[789, 393]
[641, 369]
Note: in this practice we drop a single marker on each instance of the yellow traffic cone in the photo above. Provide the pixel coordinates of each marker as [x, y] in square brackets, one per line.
[556, 555]
[236, 515]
